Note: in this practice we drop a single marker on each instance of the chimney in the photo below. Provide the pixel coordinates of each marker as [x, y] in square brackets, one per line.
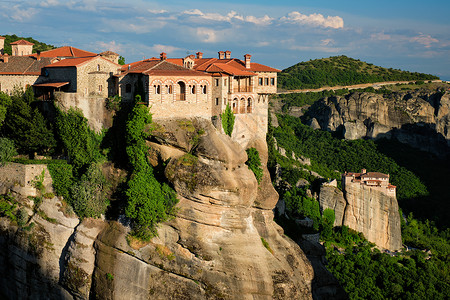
[163, 56]
[227, 54]
[38, 55]
[5, 58]
[221, 55]
[247, 61]
[199, 55]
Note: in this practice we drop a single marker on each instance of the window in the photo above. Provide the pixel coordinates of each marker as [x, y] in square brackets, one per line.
[272, 81]
[128, 88]
[157, 89]
[216, 82]
[98, 67]
[192, 88]
[260, 81]
[266, 81]
[225, 82]
[168, 89]
[217, 101]
[100, 88]
[204, 89]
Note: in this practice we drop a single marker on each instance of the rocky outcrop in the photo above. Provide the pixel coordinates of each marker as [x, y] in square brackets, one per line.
[419, 119]
[223, 244]
[366, 210]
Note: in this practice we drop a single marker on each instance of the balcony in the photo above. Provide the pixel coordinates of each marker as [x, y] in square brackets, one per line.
[243, 89]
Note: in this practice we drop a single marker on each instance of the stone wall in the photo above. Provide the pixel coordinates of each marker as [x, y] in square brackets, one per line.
[94, 77]
[20, 178]
[8, 82]
[62, 75]
[93, 108]
[266, 87]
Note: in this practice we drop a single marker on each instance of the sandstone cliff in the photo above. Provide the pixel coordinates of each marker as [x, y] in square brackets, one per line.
[223, 244]
[419, 119]
[366, 210]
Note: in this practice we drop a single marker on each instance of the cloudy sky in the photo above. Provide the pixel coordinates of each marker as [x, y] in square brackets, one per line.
[410, 35]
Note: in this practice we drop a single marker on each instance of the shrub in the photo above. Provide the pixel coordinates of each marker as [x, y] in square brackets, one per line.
[62, 176]
[88, 196]
[7, 150]
[254, 163]
[22, 217]
[228, 120]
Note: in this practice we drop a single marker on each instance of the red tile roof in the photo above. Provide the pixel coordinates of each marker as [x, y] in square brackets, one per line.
[229, 69]
[70, 62]
[374, 175]
[21, 42]
[24, 65]
[66, 51]
[155, 66]
[2, 38]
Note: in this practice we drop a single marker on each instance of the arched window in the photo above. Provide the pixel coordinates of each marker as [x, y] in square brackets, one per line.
[181, 90]
[98, 67]
[169, 89]
[157, 89]
[242, 106]
[204, 89]
[192, 88]
[249, 105]
[235, 105]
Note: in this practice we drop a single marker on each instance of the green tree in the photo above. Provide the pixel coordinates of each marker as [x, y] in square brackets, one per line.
[228, 120]
[7, 150]
[148, 201]
[26, 126]
[121, 60]
[5, 102]
[254, 163]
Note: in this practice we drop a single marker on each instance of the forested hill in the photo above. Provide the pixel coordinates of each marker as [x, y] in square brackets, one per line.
[341, 71]
[37, 45]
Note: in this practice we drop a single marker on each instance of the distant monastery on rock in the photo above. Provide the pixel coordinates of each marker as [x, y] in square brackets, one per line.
[375, 180]
[192, 86]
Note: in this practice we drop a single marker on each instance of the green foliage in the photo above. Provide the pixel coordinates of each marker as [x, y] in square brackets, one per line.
[266, 245]
[63, 178]
[113, 103]
[37, 45]
[7, 150]
[26, 126]
[341, 70]
[5, 102]
[81, 143]
[302, 99]
[228, 120]
[109, 277]
[328, 153]
[121, 60]
[299, 204]
[148, 201]
[88, 195]
[328, 218]
[254, 163]
[7, 207]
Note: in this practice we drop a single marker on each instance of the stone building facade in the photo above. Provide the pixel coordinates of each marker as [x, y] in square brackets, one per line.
[374, 180]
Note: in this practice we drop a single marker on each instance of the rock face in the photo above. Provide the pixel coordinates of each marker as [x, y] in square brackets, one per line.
[366, 210]
[419, 119]
[223, 244]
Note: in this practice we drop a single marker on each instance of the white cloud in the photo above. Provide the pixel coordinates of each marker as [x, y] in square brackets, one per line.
[425, 40]
[317, 20]
[380, 36]
[327, 42]
[207, 35]
[20, 14]
[49, 3]
[84, 5]
[157, 12]
[229, 17]
[112, 46]
[164, 48]
[266, 20]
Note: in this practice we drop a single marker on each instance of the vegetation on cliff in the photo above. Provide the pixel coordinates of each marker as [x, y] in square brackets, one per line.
[38, 46]
[341, 70]
[228, 120]
[149, 202]
[254, 163]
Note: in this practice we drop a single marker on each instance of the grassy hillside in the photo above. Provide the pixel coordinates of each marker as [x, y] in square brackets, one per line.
[37, 45]
[341, 70]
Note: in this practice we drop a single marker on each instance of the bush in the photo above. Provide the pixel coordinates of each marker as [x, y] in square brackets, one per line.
[254, 163]
[228, 120]
[88, 196]
[7, 150]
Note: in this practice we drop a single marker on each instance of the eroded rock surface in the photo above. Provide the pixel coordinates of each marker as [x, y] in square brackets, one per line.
[419, 119]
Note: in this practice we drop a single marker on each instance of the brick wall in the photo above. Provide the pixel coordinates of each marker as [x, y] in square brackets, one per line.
[267, 79]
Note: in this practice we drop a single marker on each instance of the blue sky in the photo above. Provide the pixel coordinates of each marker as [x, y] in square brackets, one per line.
[409, 35]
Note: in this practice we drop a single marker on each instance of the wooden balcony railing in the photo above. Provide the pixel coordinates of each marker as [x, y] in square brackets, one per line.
[243, 89]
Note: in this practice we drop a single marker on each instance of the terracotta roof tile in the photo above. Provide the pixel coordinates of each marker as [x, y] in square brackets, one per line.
[255, 67]
[2, 38]
[230, 69]
[66, 51]
[70, 62]
[24, 65]
[21, 42]
[374, 175]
